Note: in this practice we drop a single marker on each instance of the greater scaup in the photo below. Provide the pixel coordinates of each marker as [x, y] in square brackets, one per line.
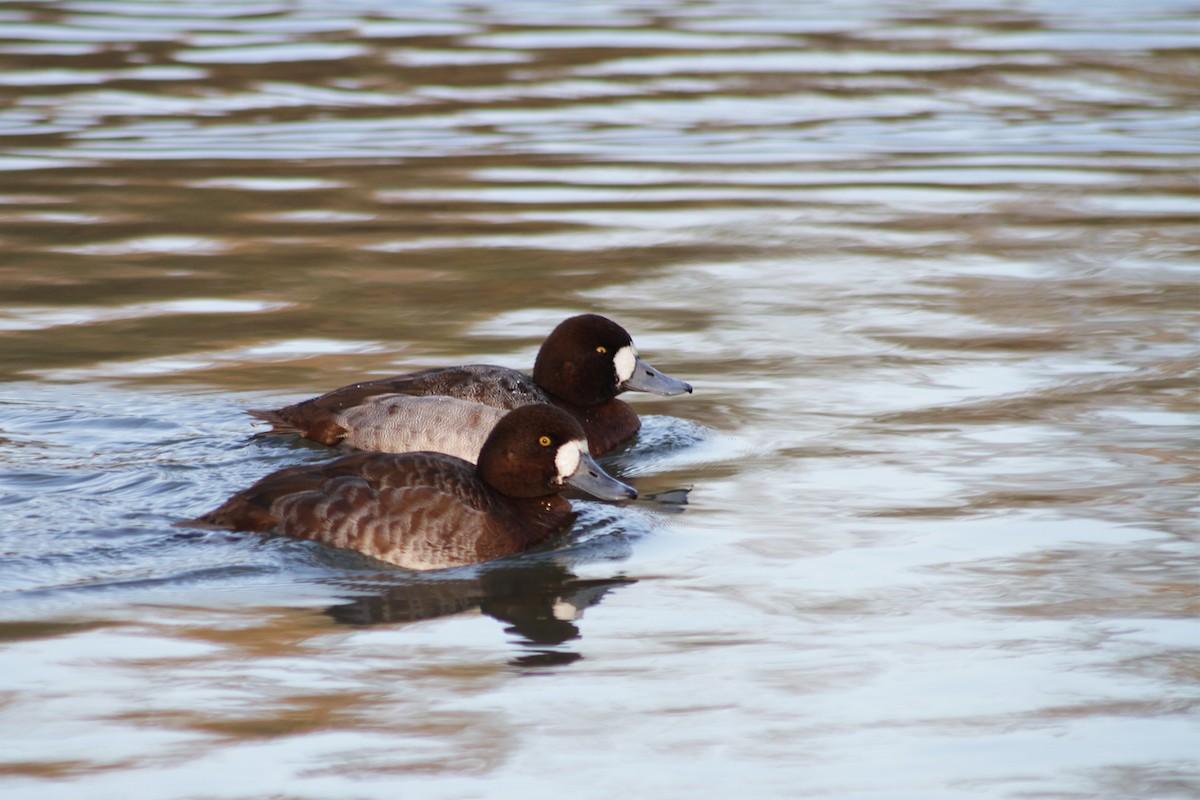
[581, 367]
[430, 510]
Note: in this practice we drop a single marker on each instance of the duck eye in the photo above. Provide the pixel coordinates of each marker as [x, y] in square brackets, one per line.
[601, 349]
[544, 441]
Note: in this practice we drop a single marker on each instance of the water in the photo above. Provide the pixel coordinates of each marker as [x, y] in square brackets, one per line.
[925, 530]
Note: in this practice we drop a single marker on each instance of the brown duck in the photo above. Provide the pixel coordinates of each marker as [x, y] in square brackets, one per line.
[430, 510]
[581, 368]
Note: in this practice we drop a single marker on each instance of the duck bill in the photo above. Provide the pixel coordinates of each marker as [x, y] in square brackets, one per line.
[646, 378]
[598, 483]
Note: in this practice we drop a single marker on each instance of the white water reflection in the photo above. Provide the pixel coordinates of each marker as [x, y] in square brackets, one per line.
[192, 245]
[41, 318]
[270, 53]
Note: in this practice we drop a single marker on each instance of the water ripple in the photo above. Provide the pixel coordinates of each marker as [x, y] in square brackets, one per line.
[930, 267]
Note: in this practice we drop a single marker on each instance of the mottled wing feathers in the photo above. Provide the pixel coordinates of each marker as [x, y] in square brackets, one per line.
[250, 509]
[419, 527]
[322, 418]
[399, 423]
[499, 387]
[495, 386]
[417, 510]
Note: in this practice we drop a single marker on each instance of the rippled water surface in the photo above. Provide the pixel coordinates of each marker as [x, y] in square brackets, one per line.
[926, 529]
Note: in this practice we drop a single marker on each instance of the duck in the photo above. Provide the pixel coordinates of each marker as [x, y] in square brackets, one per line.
[427, 510]
[585, 362]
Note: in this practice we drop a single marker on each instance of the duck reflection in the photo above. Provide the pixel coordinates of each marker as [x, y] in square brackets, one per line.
[540, 601]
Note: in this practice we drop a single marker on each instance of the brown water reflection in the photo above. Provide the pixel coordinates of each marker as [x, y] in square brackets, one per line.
[931, 268]
[539, 601]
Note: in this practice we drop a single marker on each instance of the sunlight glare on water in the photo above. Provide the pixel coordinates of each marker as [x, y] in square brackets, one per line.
[926, 529]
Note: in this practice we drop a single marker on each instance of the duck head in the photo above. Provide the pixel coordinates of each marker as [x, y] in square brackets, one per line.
[539, 450]
[589, 359]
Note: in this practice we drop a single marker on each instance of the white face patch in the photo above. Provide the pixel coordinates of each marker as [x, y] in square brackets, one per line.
[563, 610]
[566, 461]
[625, 362]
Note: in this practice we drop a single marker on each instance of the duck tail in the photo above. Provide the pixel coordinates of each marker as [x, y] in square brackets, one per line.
[294, 421]
[280, 425]
[238, 513]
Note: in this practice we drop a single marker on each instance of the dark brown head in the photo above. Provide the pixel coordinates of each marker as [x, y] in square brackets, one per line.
[537, 450]
[589, 359]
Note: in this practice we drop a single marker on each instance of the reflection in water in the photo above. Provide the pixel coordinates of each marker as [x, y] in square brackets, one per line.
[540, 601]
[932, 269]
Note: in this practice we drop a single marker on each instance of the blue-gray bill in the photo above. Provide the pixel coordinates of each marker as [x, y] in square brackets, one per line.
[598, 483]
[646, 378]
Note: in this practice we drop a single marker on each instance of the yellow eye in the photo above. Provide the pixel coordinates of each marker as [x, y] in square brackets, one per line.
[544, 441]
[601, 349]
